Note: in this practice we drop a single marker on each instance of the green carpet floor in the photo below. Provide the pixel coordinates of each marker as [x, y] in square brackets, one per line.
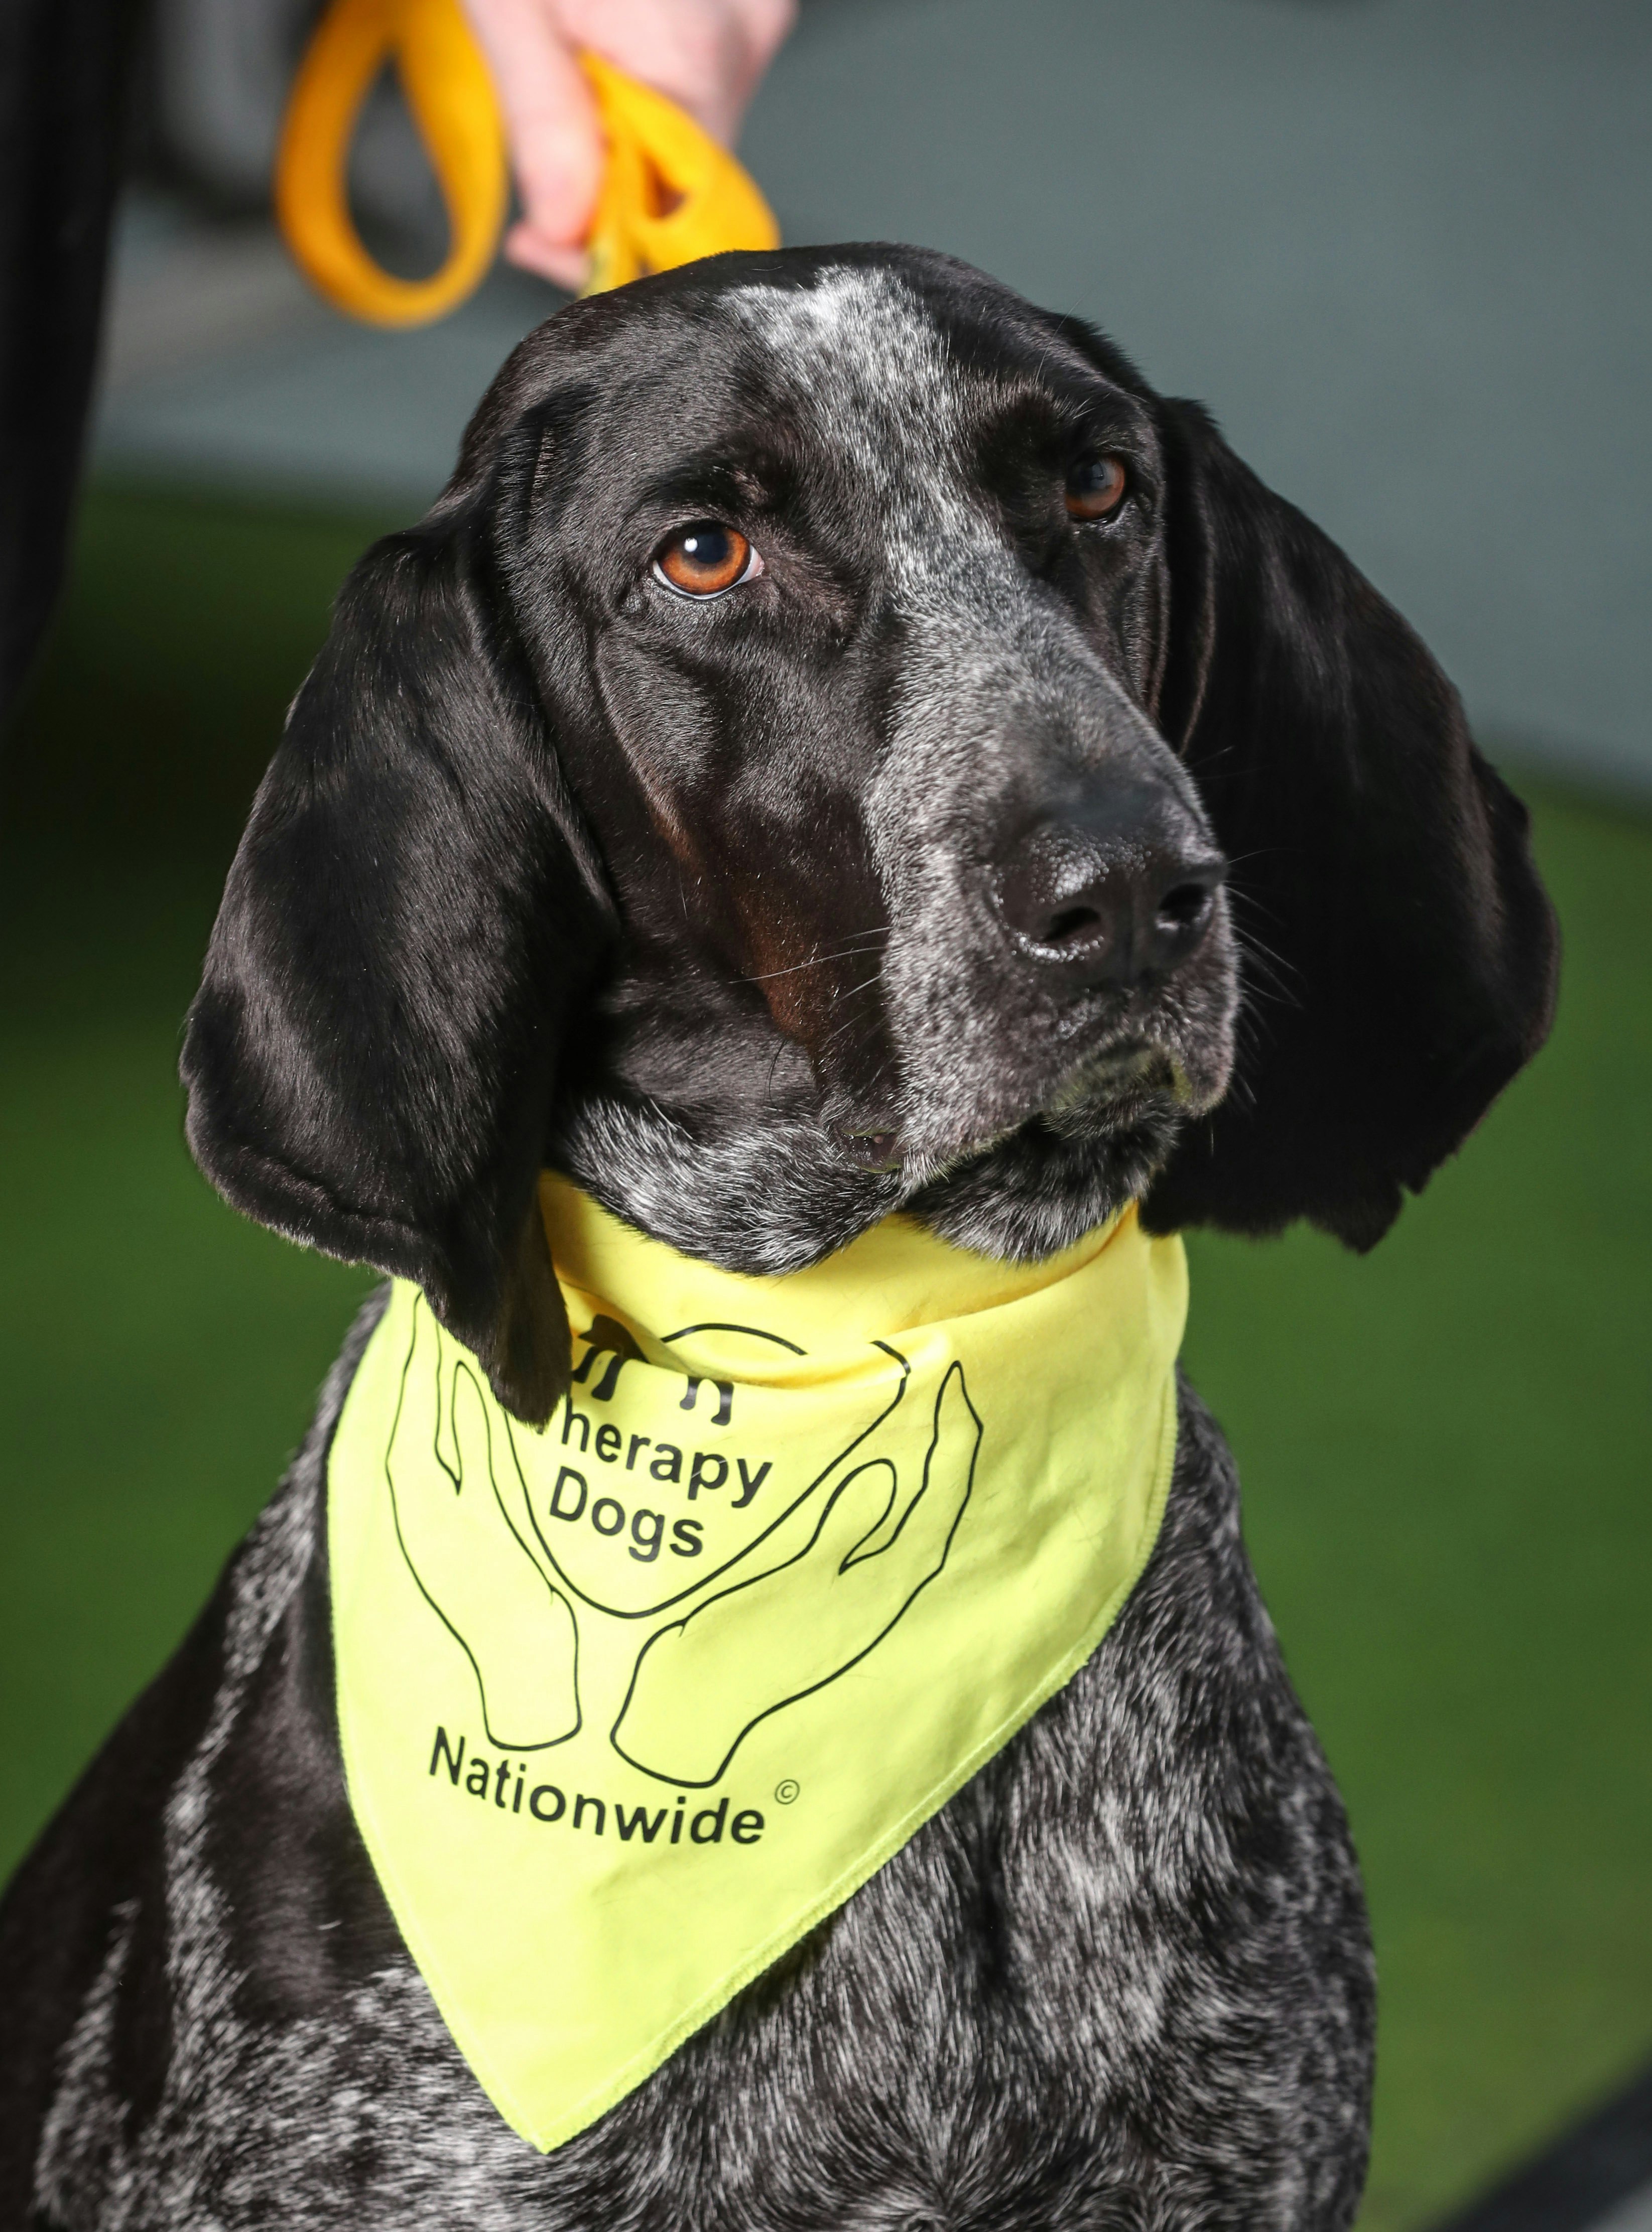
[1444, 1446]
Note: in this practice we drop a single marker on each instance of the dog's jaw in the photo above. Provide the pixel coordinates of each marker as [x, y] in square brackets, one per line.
[772, 1193]
[763, 1195]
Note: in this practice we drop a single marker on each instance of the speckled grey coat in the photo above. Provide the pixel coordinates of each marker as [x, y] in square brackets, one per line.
[842, 743]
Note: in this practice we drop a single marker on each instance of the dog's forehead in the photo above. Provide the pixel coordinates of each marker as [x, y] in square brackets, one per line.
[864, 368]
[852, 349]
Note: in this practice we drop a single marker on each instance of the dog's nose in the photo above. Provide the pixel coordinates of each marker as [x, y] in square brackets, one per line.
[1109, 905]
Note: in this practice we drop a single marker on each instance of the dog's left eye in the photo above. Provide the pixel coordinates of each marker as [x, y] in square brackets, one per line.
[1096, 488]
[703, 560]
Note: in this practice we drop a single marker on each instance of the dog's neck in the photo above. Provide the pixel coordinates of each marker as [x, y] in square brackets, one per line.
[776, 1192]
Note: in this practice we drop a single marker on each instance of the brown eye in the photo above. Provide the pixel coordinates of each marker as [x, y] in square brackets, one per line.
[1096, 489]
[703, 560]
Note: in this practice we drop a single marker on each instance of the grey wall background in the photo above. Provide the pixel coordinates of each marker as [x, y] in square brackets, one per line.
[1403, 248]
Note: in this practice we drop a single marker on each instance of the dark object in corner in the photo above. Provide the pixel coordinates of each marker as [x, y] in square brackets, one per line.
[1598, 2165]
[63, 70]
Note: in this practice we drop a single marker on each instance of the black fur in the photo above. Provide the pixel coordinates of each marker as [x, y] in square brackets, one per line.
[1375, 854]
[410, 919]
[725, 908]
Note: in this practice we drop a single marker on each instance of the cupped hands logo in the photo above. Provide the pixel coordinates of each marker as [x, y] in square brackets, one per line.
[704, 1657]
[474, 1569]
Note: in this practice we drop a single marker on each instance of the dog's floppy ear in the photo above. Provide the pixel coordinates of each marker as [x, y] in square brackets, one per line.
[1402, 952]
[412, 914]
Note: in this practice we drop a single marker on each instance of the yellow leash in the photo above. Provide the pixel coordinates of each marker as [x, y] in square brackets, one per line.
[670, 193]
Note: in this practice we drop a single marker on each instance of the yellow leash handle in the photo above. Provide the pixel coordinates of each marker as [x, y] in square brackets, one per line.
[670, 193]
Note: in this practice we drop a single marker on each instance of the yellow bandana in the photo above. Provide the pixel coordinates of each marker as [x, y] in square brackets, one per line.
[629, 1705]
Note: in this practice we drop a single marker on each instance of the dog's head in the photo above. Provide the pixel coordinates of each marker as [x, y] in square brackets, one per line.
[841, 742]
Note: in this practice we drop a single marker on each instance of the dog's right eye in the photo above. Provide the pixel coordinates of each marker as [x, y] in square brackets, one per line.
[703, 560]
[1095, 489]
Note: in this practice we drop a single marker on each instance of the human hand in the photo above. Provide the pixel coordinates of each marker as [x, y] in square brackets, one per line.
[806, 1601]
[708, 55]
[471, 1565]
[704, 1681]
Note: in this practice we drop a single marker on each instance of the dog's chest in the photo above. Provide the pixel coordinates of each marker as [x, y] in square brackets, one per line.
[1124, 1970]
[951, 2048]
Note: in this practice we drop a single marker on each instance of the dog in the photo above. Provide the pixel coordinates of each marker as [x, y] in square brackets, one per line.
[842, 743]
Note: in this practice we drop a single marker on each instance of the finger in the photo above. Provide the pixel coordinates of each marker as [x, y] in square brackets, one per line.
[701, 1684]
[556, 145]
[469, 1567]
[519, 1631]
[510, 1490]
[901, 1442]
[949, 1471]
[860, 1520]
[883, 1526]
[937, 1486]
[441, 1482]
[417, 1432]
[568, 268]
[705, 54]
[471, 1441]
[767, 23]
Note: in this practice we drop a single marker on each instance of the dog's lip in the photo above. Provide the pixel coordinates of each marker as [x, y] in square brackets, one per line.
[1126, 1062]
[1116, 1074]
[871, 1150]
[1117, 1081]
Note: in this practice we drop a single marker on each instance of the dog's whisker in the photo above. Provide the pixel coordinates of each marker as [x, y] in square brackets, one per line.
[849, 1021]
[865, 941]
[1262, 969]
